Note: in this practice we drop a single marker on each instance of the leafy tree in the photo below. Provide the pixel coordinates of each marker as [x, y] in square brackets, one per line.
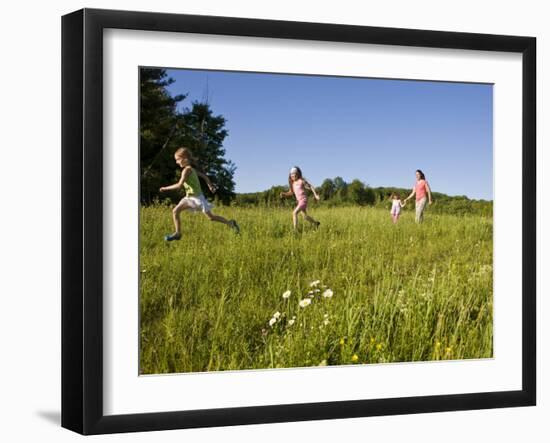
[356, 192]
[327, 189]
[370, 196]
[341, 188]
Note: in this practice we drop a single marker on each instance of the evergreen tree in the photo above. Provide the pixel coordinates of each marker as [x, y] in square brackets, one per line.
[204, 135]
[158, 124]
[163, 129]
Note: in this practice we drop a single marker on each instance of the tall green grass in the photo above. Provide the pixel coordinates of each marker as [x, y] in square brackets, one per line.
[402, 292]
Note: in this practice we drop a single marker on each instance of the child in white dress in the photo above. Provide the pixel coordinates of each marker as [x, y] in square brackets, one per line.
[396, 205]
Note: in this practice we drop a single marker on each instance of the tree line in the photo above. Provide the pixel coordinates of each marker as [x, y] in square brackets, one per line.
[337, 192]
[164, 128]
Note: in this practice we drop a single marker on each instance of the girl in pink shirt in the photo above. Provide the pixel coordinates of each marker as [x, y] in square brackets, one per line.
[297, 187]
[420, 189]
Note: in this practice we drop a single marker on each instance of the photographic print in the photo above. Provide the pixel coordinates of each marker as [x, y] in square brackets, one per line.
[291, 221]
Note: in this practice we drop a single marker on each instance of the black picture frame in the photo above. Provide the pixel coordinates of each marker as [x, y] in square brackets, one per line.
[82, 219]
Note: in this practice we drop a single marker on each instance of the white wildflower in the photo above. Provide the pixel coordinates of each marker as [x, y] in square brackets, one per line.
[286, 294]
[314, 283]
[272, 321]
[328, 293]
[326, 322]
[277, 315]
[305, 302]
[291, 322]
[325, 316]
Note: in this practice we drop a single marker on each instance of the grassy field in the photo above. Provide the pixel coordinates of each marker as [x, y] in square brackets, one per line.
[399, 293]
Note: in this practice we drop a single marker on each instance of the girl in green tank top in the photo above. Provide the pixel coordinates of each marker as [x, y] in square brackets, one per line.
[194, 199]
[192, 184]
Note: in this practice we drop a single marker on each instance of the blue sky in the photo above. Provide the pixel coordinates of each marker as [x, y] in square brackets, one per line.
[379, 131]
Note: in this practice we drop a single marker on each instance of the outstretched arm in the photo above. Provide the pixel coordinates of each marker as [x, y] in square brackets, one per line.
[412, 194]
[184, 174]
[210, 185]
[312, 188]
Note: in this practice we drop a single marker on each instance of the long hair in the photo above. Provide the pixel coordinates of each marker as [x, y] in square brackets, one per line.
[298, 174]
[422, 176]
[186, 155]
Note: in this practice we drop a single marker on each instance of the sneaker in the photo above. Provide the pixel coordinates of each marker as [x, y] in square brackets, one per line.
[235, 226]
[171, 237]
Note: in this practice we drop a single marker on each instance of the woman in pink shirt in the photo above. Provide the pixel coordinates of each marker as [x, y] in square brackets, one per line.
[297, 187]
[420, 189]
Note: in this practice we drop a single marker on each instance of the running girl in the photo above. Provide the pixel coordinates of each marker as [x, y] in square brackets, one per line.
[297, 187]
[420, 188]
[194, 199]
[396, 205]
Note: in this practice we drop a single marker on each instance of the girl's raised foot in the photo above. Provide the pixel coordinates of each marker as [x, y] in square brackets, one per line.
[171, 237]
[235, 226]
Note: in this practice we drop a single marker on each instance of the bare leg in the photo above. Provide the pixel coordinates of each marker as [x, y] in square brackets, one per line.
[309, 218]
[217, 218]
[181, 206]
[295, 218]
